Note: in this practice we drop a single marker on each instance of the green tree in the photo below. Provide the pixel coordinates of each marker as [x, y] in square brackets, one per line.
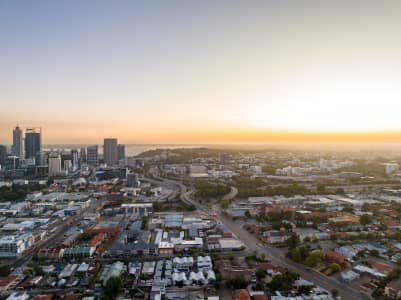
[144, 225]
[157, 207]
[314, 258]
[38, 270]
[365, 207]
[374, 253]
[293, 241]
[348, 208]
[237, 283]
[304, 289]
[5, 270]
[28, 271]
[295, 254]
[260, 274]
[225, 203]
[283, 282]
[339, 191]
[112, 287]
[335, 268]
[321, 189]
[365, 219]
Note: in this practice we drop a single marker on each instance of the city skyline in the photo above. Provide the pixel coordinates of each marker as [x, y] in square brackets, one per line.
[209, 149]
[201, 72]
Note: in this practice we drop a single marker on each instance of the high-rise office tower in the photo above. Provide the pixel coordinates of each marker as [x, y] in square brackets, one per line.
[66, 157]
[92, 155]
[67, 165]
[110, 153]
[33, 142]
[54, 164]
[120, 151]
[82, 155]
[3, 155]
[18, 148]
[75, 159]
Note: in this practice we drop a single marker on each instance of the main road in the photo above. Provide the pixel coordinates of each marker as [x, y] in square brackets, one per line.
[61, 227]
[275, 255]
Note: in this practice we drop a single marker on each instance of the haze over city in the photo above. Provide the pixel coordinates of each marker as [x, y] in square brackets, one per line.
[200, 150]
[201, 72]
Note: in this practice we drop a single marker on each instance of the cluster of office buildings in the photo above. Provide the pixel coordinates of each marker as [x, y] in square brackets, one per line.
[27, 158]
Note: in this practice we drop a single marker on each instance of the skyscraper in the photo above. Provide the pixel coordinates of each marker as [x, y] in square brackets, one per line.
[110, 153]
[92, 155]
[75, 159]
[17, 148]
[66, 159]
[33, 142]
[3, 154]
[82, 156]
[121, 151]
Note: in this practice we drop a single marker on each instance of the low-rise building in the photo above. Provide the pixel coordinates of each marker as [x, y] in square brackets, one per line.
[393, 289]
[275, 236]
[183, 263]
[114, 270]
[204, 263]
[12, 246]
[230, 244]
[166, 248]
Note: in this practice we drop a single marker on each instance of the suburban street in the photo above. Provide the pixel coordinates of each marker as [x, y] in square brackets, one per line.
[275, 255]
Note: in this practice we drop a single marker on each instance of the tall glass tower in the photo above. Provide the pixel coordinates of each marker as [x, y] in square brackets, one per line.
[17, 148]
[33, 142]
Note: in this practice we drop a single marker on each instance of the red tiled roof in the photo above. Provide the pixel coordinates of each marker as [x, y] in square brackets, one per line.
[43, 297]
[269, 266]
[242, 294]
[278, 208]
[333, 255]
[103, 230]
[96, 240]
[72, 296]
[8, 280]
[381, 266]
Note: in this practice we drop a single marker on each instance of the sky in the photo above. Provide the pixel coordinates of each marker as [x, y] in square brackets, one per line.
[201, 71]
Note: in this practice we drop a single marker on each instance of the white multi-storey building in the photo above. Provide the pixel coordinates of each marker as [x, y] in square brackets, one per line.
[12, 246]
[54, 165]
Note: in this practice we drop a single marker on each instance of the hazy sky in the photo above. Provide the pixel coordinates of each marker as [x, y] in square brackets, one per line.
[200, 71]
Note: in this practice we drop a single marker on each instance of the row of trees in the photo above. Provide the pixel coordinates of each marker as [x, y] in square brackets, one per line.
[16, 192]
[206, 190]
[283, 190]
[172, 206]
[306, 256]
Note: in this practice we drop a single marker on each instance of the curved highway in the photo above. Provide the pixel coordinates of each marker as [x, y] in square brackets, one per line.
[275, 255]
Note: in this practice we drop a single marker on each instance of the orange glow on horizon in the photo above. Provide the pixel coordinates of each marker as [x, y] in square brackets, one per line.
[154, 136]
[263, 136]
